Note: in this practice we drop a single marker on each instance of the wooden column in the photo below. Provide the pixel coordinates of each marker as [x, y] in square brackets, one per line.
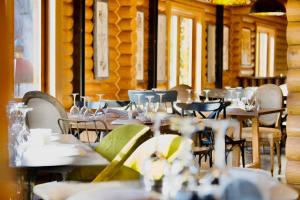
[152, 56]
[293, 101]
[7, 183]
[79, 50]
[219, 46]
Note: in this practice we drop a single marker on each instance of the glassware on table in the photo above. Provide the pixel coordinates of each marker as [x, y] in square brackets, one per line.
[88, 112]
[21, 137]
[84, 107]
[99, 110]
[74, 109]
[206, 95]
[149, 180]
[161, 106]
[189, 100]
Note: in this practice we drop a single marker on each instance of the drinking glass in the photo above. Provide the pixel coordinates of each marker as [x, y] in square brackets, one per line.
[161, 106]
[84, 107]
[99, 110]
[206, 95]
[190, 96]
[88, 112]
[74, 109]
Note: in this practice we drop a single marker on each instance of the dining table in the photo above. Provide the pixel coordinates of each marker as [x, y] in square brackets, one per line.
[241, 115]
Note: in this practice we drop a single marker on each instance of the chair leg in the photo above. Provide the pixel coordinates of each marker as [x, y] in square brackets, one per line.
[278, 156]
[210, 159]
[242, 147]
[272, 154]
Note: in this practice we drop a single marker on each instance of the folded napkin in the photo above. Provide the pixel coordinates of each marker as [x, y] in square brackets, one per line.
[54, 150]
[126, 121]
[120, 113]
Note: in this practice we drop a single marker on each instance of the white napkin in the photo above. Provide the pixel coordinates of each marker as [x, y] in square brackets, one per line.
[126, 121]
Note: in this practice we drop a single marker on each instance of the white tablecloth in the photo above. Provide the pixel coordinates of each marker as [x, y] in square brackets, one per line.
[67, 150]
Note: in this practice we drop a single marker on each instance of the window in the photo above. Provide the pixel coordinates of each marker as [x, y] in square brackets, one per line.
[27, 46]
[265, 47]
[185, 47]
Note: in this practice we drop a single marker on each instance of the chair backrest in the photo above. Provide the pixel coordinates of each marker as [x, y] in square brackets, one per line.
[182, 93]
[46, 111]
[269, 96]
[118, 145]
[213, 108]
[77, 127]
[115, 140]
[169, 146]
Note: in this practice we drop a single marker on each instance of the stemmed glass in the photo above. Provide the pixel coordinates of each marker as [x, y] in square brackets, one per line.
[99, 110]
[161, 106]
[190, 96]
[74, 109]
[139, 108]
[206, 95]
[88, 112]
[84, 107]
[149, 107]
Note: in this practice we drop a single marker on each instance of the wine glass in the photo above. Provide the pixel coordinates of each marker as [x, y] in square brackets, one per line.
[206, 95]
[74, 109]
[189, 100]
[88, 112]
[139, 108]
[161, 107]
[84, 107]
[149, 107]
[99, 110]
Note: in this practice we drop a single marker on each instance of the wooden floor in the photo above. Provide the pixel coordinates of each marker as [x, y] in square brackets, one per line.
[265, 162]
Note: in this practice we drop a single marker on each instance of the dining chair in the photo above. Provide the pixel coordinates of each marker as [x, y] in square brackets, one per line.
[168, 146]
[268, 96]
[182, 92]
[116, 147]
[93, 129]
[212, 110]
[46, 111]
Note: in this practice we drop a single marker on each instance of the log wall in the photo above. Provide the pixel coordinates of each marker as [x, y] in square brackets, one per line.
[122, 44]
[293, 81]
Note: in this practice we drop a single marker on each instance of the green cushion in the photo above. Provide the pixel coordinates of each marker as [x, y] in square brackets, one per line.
[112, 144]
[84, 174]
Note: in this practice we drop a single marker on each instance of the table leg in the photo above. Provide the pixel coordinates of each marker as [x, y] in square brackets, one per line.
[235, 160]
[255, 142]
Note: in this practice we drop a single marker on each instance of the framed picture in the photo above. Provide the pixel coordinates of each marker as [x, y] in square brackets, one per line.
[161, 47]
[246, 47]
[101, 67]
[140, 46]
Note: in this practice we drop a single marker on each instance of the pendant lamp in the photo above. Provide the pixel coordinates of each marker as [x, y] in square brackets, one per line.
[231, 2]
[268, 8]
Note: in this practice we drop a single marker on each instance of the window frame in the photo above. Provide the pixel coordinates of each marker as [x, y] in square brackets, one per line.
[271, 32]
[197, 15]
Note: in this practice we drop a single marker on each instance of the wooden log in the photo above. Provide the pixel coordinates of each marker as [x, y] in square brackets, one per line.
[293, 126]
[292, 172]
[293, 80]
[68, 9]
[292, 148]
[293, 103]
[68, 23]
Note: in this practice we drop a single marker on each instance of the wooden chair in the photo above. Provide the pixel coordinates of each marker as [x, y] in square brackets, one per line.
[268, 96]
[206, 137]
[46, 111]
